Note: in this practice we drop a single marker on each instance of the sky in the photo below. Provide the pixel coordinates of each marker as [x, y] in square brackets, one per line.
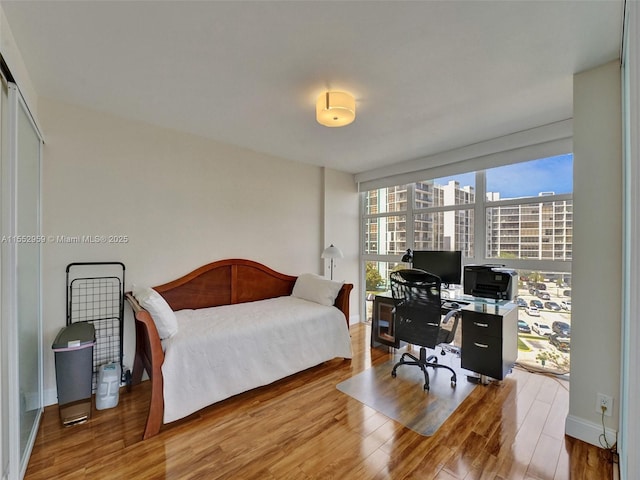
[554, 174]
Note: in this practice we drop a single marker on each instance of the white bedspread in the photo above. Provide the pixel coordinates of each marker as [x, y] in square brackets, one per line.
[221, 351]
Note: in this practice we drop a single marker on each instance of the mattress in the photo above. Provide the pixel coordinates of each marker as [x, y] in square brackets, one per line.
[222, 351]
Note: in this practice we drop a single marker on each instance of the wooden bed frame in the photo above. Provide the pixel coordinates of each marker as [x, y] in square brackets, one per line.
[224, 282]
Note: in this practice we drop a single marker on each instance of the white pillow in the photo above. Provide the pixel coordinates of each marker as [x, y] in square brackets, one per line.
[164, 318]
[316, 289]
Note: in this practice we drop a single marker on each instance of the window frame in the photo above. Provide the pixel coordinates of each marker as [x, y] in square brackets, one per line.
[480, 207]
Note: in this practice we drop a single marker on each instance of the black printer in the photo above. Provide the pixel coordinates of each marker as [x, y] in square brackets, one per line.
[490, 281]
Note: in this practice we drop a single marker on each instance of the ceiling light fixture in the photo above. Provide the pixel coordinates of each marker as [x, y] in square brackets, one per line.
[335, 109]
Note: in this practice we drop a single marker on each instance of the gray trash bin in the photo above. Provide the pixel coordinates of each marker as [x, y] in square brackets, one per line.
[73, 349]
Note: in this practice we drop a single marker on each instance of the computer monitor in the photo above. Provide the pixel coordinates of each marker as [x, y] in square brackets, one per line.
[445, 264]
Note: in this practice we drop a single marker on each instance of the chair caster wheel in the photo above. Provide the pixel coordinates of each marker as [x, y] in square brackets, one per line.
[393, 374]
[426, 388]
[453, 384]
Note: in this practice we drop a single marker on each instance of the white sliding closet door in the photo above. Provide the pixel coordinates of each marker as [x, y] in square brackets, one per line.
[4, 314]
[22, 400]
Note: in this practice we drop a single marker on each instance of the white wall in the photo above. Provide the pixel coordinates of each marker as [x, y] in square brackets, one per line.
[342, 228]
[181, 200]
[597, 250]
[13, 58]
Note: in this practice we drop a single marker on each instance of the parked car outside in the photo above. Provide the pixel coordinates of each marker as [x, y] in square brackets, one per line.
[536, 303]
[552, 306]
[543, 295]
[567, 293]
[523, 327]
[566, 305]
[541, 329]
[533, 311]
[561, 328]
[561, 343]
[521, 302]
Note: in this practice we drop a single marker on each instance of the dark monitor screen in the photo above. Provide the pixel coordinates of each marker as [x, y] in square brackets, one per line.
[447, 265]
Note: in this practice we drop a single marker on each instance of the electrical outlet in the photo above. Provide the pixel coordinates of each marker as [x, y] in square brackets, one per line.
[606, 402]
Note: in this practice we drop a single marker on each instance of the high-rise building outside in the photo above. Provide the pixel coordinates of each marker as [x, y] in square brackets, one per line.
[540, 230]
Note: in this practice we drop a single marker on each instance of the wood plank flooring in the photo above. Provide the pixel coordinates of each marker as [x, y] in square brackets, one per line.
[303, 428]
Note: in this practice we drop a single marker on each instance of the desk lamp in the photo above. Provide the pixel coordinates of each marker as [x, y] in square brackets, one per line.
[408, 257]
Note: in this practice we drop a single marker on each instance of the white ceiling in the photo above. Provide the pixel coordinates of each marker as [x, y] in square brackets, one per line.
[428, 76]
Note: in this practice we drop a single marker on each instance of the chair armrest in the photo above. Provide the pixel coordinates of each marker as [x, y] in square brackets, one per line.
[451, 313]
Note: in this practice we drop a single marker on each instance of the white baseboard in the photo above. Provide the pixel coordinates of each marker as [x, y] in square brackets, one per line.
[50, 397]
[589, 432]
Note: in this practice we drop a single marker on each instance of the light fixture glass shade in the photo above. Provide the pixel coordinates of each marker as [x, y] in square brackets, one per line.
[335, 109]
[332, 252]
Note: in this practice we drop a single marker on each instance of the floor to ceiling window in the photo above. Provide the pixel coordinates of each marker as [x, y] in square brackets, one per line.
[518, 216]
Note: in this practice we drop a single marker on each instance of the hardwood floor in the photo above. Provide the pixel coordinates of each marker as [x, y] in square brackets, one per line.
[302, 428]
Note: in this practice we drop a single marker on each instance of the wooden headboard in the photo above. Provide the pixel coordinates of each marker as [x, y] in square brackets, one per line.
[233, 281]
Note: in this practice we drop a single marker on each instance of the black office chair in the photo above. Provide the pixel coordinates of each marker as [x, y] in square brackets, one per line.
[419, 321]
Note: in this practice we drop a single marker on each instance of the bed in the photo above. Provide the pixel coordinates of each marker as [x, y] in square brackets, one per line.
[238, 325]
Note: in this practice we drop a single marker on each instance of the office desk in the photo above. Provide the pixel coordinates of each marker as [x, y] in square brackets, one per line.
[489, 344]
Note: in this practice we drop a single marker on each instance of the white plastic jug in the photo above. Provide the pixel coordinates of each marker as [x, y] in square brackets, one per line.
[108, 388]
